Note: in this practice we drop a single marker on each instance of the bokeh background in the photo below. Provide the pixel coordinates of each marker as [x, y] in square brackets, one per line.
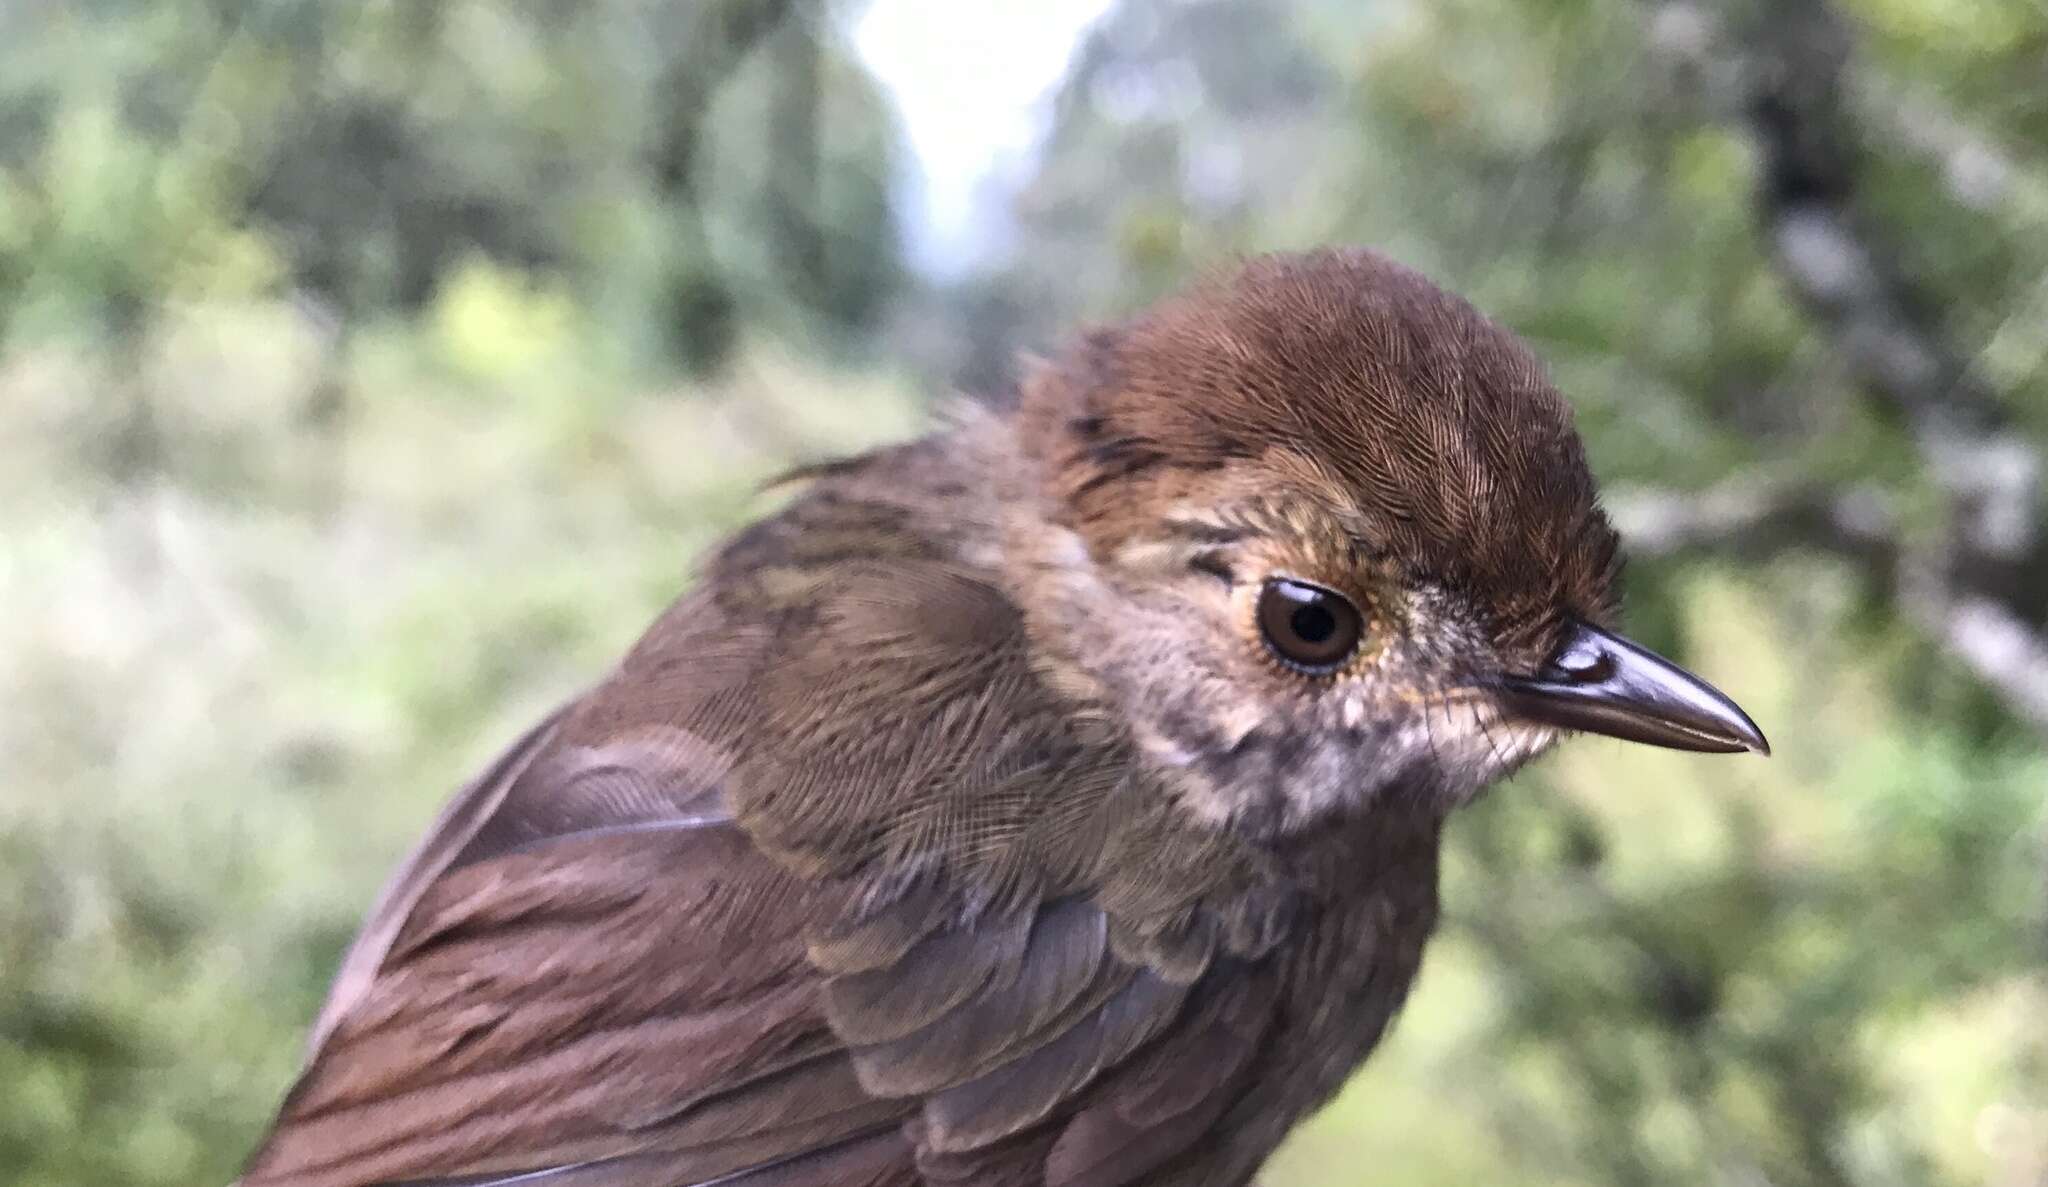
[371, 373]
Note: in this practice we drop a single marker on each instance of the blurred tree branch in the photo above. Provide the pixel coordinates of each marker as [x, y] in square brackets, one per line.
[1756, 516]
[1749, 516]
[718, 38]
[1979, 586]
[792, 193]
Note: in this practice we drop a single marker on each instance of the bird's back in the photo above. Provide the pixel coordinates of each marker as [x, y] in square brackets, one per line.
[832, 883]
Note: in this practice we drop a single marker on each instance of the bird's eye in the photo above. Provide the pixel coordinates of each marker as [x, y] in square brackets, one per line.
[1310, 628]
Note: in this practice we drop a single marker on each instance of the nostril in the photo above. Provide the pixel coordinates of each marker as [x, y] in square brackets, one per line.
[1584, 664]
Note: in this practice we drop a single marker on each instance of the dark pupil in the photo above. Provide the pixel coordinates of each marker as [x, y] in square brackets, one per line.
[1313, 628]
[1313, 623]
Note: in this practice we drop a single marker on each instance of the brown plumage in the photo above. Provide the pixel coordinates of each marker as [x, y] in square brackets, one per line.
[1051, 800]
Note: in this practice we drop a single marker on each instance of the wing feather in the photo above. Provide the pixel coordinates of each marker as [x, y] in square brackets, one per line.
[652, 946]
[469, 811]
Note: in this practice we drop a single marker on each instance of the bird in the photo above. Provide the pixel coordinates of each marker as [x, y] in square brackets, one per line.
[1053, 799]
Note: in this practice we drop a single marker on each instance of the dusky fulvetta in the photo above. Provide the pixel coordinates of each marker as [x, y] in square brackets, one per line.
[1051, 800]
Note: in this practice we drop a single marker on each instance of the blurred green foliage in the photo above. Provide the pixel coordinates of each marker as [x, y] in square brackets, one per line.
[372, 374]
[356, 155]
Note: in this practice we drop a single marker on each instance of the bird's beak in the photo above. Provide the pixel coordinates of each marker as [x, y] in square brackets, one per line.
[1601, 683]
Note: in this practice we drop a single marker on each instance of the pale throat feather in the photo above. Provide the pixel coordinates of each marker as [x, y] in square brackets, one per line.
[1123, 634]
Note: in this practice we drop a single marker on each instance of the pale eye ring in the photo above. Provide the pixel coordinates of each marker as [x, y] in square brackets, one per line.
[1308, 627]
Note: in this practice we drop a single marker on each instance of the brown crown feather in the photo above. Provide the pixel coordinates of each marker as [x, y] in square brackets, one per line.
[1410, 411]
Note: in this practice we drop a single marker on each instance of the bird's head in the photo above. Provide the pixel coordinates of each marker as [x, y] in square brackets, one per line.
[1324, 535]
